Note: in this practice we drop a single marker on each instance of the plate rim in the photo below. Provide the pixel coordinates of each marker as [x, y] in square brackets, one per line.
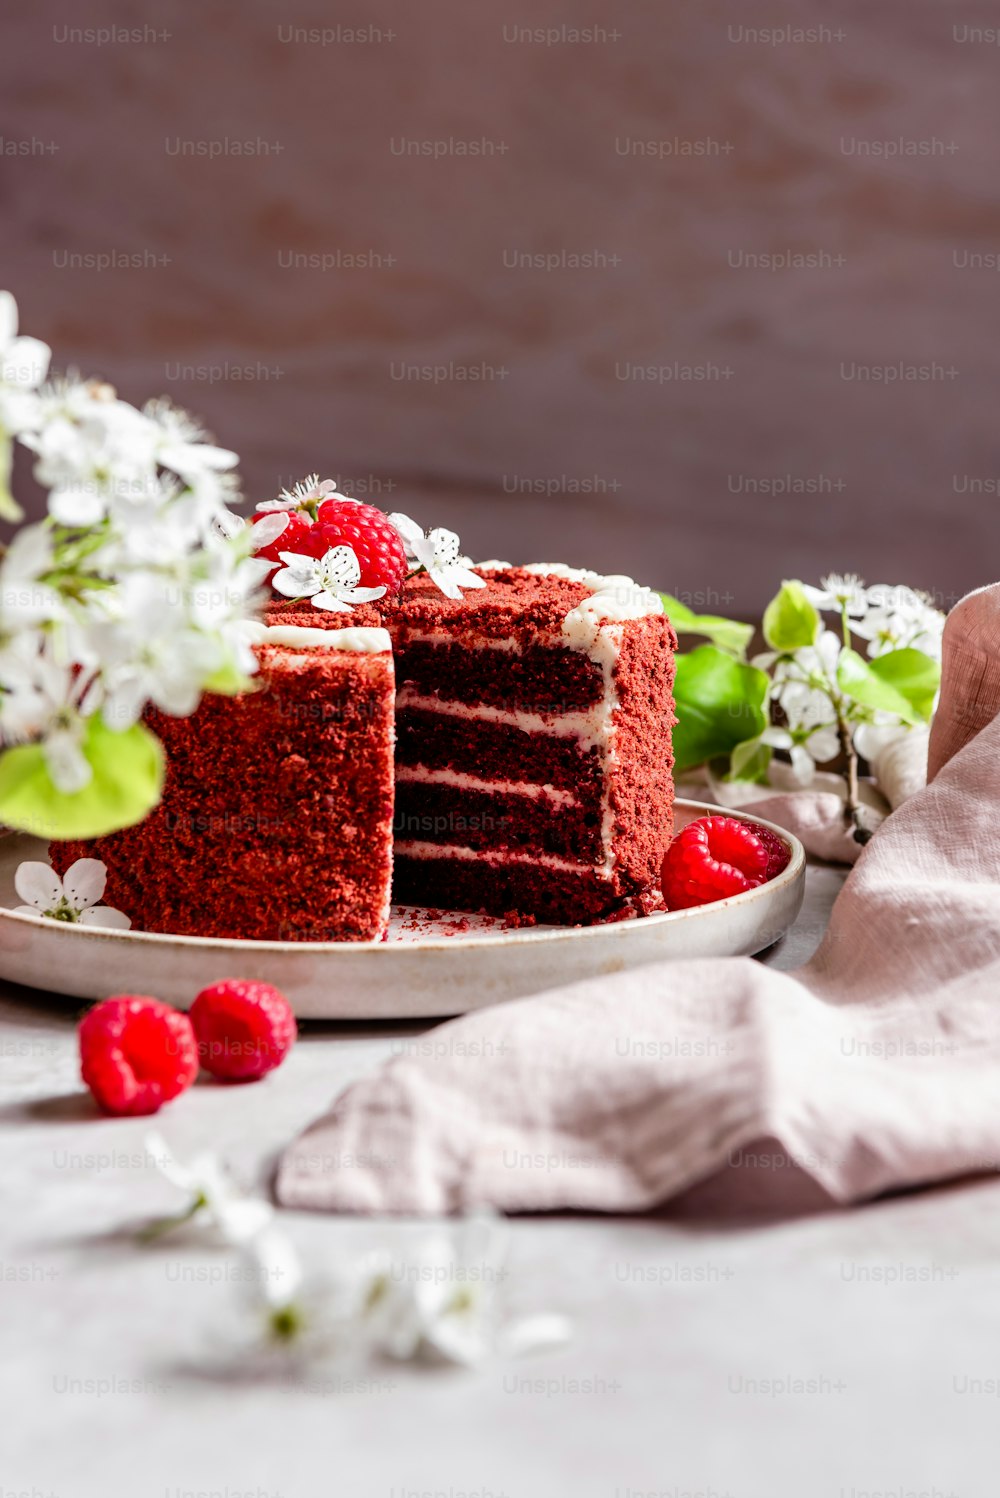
[473, 942]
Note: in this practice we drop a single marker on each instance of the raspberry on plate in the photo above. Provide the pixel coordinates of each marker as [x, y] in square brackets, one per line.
[779, 854]
[711, 859]
[136, 1053]
[295, 537]
[375, 541]
[244, 1029]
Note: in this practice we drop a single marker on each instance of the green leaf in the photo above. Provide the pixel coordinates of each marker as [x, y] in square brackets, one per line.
[727, 634]
[790, 620]
[750, 761]
[913, 674]
[720, 702]
[858, 679]
[124, 788]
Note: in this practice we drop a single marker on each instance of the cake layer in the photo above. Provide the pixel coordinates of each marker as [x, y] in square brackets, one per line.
[450, 879]
[456, 740]
[537, 678]
[504, 816]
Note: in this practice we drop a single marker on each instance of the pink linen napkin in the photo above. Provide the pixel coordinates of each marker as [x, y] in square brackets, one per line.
[875, 1066]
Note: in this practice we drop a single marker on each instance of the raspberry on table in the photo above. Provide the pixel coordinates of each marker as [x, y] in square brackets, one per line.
[294, 537]
[136, 1054]
[244, 1029]
[779, 854]
[711, 859]
[375, 541]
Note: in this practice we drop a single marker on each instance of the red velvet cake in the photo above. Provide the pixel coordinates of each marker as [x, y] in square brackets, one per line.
[520, 763]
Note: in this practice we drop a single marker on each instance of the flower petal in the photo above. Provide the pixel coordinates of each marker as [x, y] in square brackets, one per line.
[459, 1339]
[38, 885]
[240, 1219]
[107, 917]
[535, 1334]
[85, 882]
[66, 761]
[73, 507]
[28, 358]
[803, 765]
[327, 601]
[291, 582]
[8, 319]
[465, 578]
[168, 1164]
[408, 529]
[363, 595]
[269, 529]
[277, 1268]
[443, 581]
[340, 568]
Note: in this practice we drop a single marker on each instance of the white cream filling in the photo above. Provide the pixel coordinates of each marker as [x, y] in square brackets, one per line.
[590, 726]
[495, 856]
[421, 775]
[301, 637]
[440, 637]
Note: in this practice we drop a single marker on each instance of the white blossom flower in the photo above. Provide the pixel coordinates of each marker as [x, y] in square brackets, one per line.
[181, 444]
[74, 898]
[91, 448]
[213, 1197]
[24, 363]
[439, 553]
[329, 582]
[802, 685]
[141, 587]
[840, 594]
[443, 1302]
[293, 1324]
[306, 495]
[817, 747]
[42, 701]
[438, 1304]
[900, 618]
[24, 598]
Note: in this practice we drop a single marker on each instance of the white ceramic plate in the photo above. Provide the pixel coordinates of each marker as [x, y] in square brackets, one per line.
[445, 964]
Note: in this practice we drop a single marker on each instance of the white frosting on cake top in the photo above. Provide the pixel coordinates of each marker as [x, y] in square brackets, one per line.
[300, 637]
[559, 569]
[615, 598]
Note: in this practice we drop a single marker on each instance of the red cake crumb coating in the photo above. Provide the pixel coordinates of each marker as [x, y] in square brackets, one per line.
[276, 818]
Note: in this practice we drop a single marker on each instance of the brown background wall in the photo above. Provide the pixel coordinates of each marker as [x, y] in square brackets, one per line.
[900, 474]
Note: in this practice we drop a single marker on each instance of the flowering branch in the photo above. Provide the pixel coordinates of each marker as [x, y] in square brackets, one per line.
[811, 698]
[137, 589]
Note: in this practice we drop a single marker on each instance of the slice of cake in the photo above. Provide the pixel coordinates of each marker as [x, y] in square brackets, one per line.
[533, 758]
[276, 818]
